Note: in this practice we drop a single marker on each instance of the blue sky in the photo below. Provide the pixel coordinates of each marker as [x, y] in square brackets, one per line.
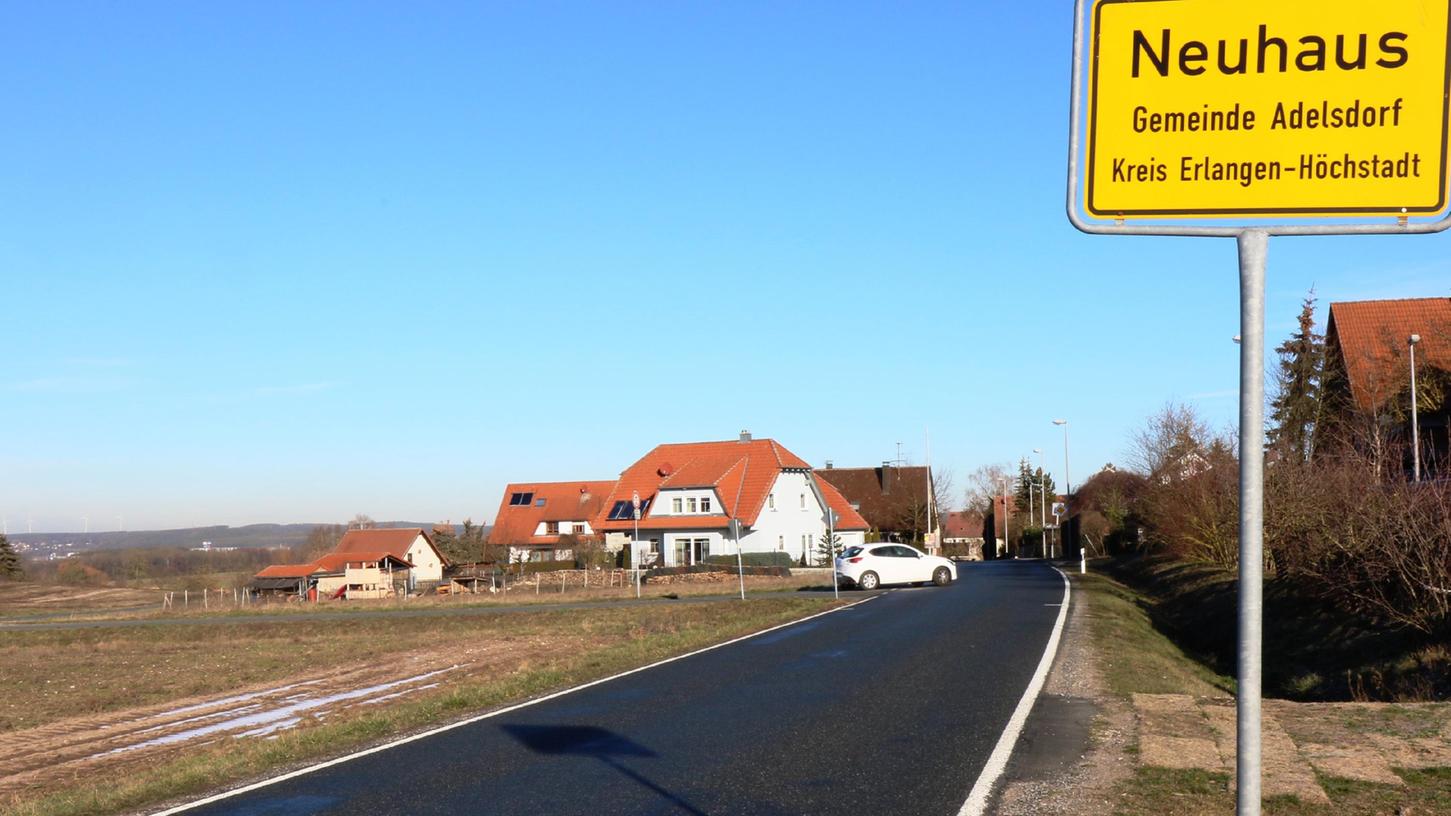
[292, 262]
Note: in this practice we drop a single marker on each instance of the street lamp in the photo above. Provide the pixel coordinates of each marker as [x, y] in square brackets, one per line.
[1067, 479]
[1415, 424]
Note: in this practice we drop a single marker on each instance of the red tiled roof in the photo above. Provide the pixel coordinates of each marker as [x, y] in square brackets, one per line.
[1372, 339]
[962, 524]
[846, 517]
[563, 501]
[885, 496]
[742, 473]
[286, 571]
[338, 561]
[394, 541]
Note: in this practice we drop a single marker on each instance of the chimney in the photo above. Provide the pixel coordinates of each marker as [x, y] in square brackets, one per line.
[745, 435]
[828, 464]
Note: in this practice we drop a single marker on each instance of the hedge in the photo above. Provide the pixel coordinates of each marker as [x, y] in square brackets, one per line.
[754, 559]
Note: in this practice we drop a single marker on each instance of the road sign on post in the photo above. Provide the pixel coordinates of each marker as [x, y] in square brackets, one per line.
[1242, 107]
[1332, 113]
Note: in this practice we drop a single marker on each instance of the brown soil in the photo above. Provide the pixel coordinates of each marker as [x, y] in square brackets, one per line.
[113, 741]
[20, 598]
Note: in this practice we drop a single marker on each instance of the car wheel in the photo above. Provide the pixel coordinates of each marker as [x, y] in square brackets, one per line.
[941, 576]
[868, 580]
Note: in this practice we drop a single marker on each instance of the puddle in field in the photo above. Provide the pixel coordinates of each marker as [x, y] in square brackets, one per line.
[276, 717]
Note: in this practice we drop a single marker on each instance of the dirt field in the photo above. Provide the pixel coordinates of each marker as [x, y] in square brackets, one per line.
[21, 598]
[135, 701]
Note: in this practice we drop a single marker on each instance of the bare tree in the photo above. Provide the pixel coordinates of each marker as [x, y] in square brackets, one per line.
[985, 484]
[1172, 437]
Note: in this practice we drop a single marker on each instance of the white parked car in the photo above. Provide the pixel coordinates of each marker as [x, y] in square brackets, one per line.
[874, 565]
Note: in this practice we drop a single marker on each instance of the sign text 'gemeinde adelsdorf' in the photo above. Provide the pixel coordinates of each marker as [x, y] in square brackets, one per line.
[1234, 107]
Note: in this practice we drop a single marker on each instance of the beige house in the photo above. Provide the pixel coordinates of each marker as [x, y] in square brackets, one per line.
[352, 576]
[364, 564]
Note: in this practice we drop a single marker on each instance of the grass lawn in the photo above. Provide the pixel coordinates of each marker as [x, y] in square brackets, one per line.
[1137, 658]
[70, 672]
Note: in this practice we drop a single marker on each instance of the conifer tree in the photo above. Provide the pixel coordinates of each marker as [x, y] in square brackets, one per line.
[1296, 408]
[9, 561]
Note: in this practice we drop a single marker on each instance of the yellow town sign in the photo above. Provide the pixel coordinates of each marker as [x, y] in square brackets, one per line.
[1205, 108]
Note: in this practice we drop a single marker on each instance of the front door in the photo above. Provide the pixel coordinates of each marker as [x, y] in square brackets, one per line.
[698, 549]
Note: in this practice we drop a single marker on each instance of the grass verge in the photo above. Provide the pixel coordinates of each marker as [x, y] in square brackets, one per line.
[1138, 658]
[622, 638]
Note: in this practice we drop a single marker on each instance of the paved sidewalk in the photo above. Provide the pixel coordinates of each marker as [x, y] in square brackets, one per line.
[1360, 741]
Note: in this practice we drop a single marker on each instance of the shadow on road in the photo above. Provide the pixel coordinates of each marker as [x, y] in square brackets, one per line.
[599, 743]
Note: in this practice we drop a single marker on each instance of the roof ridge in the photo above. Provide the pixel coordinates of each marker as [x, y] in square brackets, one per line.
[728, 471]
[736, 505]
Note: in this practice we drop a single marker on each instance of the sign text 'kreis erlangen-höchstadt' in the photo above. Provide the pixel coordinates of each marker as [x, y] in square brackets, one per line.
[1327, 108]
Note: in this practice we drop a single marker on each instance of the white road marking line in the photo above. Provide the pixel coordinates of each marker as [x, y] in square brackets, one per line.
[997, 762]
[507, 709]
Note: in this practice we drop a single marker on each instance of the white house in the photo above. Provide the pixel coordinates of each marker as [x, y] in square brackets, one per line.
[536, 520]
[410, 544]
[690, 493]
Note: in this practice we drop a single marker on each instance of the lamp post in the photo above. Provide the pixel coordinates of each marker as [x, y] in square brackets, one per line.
[1067, 479]
[1415, 424]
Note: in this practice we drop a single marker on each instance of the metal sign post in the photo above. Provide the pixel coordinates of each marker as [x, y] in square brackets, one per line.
[635, 543]
[740, 563]
[831, 551]
[1206, 110]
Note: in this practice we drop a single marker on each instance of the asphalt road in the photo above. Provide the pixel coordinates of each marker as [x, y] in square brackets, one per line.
[889, 707]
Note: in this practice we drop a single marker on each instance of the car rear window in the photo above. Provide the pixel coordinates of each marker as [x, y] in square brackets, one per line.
[852, 552]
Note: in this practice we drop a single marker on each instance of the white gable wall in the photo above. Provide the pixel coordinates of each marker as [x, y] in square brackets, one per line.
[426, 566]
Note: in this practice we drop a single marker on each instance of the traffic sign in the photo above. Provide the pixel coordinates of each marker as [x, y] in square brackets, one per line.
[1059, 508]
[1208, 108]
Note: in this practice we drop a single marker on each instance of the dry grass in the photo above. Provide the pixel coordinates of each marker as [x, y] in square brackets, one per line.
[137, 666]
[1140, 659]
[73, 604]
[24, 598]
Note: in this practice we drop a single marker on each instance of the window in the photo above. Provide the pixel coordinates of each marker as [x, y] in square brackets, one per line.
[806, 542]
[520, 499]
[705, 505]
[780, 542]
[551, 528]
[803, 501]
[771, 501]
[624, 511]
[690, 505]
[539, 502]
[675, 505]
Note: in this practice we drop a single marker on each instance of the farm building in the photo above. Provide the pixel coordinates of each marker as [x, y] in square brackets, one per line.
[348, 576]
[371, 563]
[409, 544]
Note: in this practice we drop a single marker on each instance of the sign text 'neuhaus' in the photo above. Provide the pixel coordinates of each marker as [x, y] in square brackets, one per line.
[1229, 107]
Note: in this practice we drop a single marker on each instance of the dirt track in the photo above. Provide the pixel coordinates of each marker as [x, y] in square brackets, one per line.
[116, 740]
